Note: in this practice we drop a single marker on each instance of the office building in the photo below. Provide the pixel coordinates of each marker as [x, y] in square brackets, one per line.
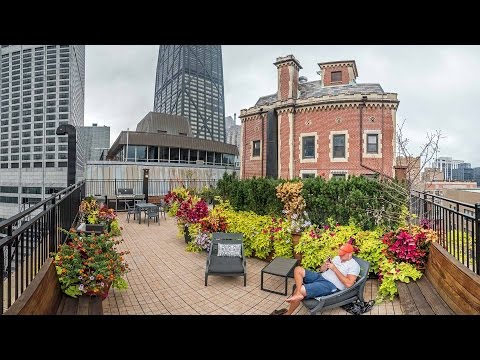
[189, 83]
[96, 140]
[42, 87]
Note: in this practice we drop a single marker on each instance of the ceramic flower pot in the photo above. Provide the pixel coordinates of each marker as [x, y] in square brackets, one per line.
[295, 241]
[188, 238]
[103, 292]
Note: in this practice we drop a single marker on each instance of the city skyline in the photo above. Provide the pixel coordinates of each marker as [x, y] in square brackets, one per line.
[436, 85]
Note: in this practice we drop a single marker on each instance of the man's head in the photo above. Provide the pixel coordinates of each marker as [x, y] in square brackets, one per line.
[345, 252]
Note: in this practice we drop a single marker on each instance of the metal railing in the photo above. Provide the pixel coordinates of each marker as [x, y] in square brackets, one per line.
[109, 188]
[456, 223]
[26, 244]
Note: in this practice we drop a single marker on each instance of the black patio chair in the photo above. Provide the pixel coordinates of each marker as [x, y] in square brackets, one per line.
[341, 297]
[152, 213]
[131, 210]
[161, 208]
[226, 265]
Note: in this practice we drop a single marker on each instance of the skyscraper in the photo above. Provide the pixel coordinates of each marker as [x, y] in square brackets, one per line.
[96, 141]
[189, 83]
[42, 87]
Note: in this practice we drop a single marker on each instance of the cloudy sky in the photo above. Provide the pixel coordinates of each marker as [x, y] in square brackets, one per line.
[438, 86]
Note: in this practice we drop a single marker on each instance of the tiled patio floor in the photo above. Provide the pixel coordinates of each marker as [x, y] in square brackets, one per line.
[166, 279]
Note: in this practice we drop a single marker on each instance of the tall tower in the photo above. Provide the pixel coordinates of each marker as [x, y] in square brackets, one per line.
[189, 83]
[42, 87]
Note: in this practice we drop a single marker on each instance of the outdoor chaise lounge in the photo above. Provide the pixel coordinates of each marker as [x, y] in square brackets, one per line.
[226, 256]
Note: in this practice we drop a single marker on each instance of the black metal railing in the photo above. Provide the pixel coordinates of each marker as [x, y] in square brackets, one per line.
[456, 223]
[27, 239]
[110, 188]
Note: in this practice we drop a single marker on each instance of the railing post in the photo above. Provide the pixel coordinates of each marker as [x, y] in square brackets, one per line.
[425, 205]
[53, 230]
[477, 238]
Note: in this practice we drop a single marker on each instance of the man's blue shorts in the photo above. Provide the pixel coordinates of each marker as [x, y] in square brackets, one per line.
[316, 285]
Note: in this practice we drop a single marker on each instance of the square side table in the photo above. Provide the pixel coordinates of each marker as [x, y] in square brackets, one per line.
[280, 266]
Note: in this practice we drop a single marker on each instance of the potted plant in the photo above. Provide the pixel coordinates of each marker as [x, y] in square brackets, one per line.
[89, 264]
[290, 193]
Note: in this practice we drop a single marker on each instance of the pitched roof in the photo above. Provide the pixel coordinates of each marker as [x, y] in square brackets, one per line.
[314, 89]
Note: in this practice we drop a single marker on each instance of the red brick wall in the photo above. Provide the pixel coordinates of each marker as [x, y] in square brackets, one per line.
[253, 131]
[283, 143]
[284, 82]
[327, 77]
[322, 122]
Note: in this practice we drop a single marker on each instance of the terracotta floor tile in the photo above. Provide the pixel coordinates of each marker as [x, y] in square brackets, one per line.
[166, 279]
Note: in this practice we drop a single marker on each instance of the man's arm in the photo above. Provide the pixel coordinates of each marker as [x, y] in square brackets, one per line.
[324, 267]
[348, 280]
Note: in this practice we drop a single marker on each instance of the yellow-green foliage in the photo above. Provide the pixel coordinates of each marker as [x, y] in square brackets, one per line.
[194, 230]
[463, 244]
[371, 247]
[192, 246]
[250, 225]
[281, 237]
[115, 228]
[391, 272]
[172, 210]
[311, 248]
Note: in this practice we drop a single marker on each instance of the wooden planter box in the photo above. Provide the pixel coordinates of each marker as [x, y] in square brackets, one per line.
[92, 228]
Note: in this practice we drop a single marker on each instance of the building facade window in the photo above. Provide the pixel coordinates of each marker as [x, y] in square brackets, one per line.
[308, 147]
[256, 149]
[372, 144]
[339, 146]
[338, 174]
[336, 76]
[305, 174]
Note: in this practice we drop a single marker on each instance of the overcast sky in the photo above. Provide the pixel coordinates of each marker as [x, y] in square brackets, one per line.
[438, 86]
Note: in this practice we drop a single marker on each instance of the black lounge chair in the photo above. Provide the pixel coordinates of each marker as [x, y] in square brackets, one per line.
[226, 265]
[342, 297]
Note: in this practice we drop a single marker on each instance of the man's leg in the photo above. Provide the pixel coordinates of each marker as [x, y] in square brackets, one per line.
[295, 299]
[298, 275]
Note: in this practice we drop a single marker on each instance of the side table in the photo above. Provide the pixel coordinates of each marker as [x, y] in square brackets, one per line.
[280, 266]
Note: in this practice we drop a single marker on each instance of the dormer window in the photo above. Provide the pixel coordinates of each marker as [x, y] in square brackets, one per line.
[336, 76]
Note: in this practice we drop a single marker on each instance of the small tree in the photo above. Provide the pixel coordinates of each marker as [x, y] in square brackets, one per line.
[415, 164]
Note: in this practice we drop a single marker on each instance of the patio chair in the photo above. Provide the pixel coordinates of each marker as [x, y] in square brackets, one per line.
[161, 208]
[152, 212]
[341, 297]
[131, 210]
[228, 262]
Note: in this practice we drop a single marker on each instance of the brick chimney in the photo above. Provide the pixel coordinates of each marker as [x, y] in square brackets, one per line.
[338, 72]
[288, 68]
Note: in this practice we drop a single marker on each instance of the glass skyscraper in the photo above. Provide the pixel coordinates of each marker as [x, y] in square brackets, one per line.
[42, 87]
[189, 83]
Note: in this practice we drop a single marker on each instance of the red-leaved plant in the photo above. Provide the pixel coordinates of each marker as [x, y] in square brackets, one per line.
[404, 246]
[191, 212]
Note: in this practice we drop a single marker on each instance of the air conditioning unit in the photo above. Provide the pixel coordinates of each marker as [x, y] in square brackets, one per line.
[200, 162]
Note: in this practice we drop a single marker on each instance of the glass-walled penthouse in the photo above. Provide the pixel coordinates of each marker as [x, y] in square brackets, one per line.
[166, 154]
[166, 138]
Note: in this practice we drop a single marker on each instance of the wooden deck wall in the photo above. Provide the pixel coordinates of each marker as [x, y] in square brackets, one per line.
[458, 286]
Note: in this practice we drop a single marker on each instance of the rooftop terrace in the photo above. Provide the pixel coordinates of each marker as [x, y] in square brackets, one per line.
[167, 280]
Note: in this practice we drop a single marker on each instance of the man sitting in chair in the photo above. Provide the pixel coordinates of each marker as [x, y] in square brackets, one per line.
[337, 274]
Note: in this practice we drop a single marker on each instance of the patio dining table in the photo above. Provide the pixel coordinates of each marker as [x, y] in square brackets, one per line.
[143, 207]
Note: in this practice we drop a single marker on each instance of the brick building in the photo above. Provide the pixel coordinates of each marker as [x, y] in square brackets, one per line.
[317, 128]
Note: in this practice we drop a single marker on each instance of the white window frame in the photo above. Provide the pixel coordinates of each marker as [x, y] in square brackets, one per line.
[307, 172]
[379, 144]
[340, 132]
[338, 172]
[300, 146]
